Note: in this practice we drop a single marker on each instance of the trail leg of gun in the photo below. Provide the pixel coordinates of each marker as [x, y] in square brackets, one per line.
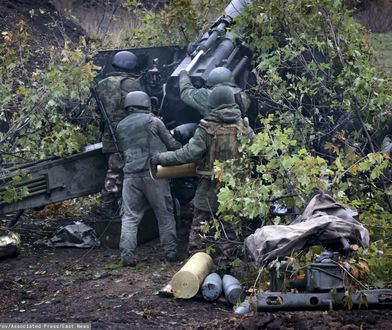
[278, 301]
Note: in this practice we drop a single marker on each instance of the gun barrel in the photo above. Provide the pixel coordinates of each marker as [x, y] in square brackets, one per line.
[214, 35]
[215, 48]
[240, 67]
[236, 7]
[231, 57]
[278, 301]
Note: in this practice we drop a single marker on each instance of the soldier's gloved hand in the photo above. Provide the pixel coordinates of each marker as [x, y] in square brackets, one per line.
[183, 72]
[154, 160]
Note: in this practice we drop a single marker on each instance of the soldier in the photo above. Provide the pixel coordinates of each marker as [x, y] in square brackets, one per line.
[198, 97]
[214, 139]
[142, 135]
[111, 92]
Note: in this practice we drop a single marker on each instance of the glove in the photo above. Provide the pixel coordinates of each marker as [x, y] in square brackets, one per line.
[183, 72]
[154, 160]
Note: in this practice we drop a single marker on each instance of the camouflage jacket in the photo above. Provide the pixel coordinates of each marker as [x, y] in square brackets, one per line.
[197, 150]
[112, 91]
[140, 136]
[197, 98]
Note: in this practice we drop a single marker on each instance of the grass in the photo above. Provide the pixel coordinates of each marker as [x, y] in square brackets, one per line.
[382, 43]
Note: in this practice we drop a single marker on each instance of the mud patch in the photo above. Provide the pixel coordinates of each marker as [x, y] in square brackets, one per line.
[74, 285]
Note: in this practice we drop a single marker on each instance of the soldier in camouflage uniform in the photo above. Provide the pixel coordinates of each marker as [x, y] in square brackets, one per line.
[148, 137]
[112, 91]
[216, 138]
[197, 98]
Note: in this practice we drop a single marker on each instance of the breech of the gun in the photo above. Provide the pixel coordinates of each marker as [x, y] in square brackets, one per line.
[277, 301]
[200, 66]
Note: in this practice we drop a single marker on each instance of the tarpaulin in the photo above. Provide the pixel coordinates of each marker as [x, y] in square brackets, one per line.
[322, 221]
[76, 235]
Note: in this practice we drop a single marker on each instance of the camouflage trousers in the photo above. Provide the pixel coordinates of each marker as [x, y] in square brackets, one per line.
[111, 191]
[195, 243]
[139, 193]
[224, 252]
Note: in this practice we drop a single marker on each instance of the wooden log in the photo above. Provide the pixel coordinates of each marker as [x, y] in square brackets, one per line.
[186, 282]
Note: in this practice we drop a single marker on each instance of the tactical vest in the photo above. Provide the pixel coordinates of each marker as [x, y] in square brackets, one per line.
[112, 92]
[224, 144]
[137, 142]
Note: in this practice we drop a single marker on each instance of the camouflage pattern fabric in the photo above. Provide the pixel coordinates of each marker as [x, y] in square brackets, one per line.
[224, 144]
[197, 150]
[140, 191]
[224, 251]
[111, 192]
[149, 137]
[195, 243]
[112, 92]
[197, 98]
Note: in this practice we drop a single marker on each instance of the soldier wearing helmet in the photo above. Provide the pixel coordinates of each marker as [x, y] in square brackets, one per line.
[148, 137]
[198, 97]
[216, 138]
[111, 92]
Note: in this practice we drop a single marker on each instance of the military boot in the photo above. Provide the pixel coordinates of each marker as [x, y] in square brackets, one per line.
[107, 212]
[128, 261]
[172, 257]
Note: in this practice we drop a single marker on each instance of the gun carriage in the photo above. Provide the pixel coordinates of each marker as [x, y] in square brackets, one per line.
[57, 179]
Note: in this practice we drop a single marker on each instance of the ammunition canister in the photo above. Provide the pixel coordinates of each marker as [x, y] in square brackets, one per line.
[211, 288]
[233, 290]
[186, 282]
[173, 172]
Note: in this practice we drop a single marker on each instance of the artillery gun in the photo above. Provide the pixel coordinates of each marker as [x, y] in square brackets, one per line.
[57, 179]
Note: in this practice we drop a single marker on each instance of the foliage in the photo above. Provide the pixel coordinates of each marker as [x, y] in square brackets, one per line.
[382, 43]
[76, 207]
[274, 169]
[114, 265]
[312, 63]
[41, 109]
[177, 23]
[379, 258]
[360, 270]
[12, 190]
[330, 105]
[274, 172]
[271, 169]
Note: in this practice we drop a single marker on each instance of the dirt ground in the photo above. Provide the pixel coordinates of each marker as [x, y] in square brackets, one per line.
[45, 284]
[48, 285]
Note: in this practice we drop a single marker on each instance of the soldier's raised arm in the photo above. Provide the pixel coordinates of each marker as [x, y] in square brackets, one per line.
[192, 96]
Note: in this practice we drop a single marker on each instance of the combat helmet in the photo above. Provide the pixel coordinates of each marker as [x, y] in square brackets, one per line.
[138, 100]
[124, 60]
[220, 95]
[219, 75]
